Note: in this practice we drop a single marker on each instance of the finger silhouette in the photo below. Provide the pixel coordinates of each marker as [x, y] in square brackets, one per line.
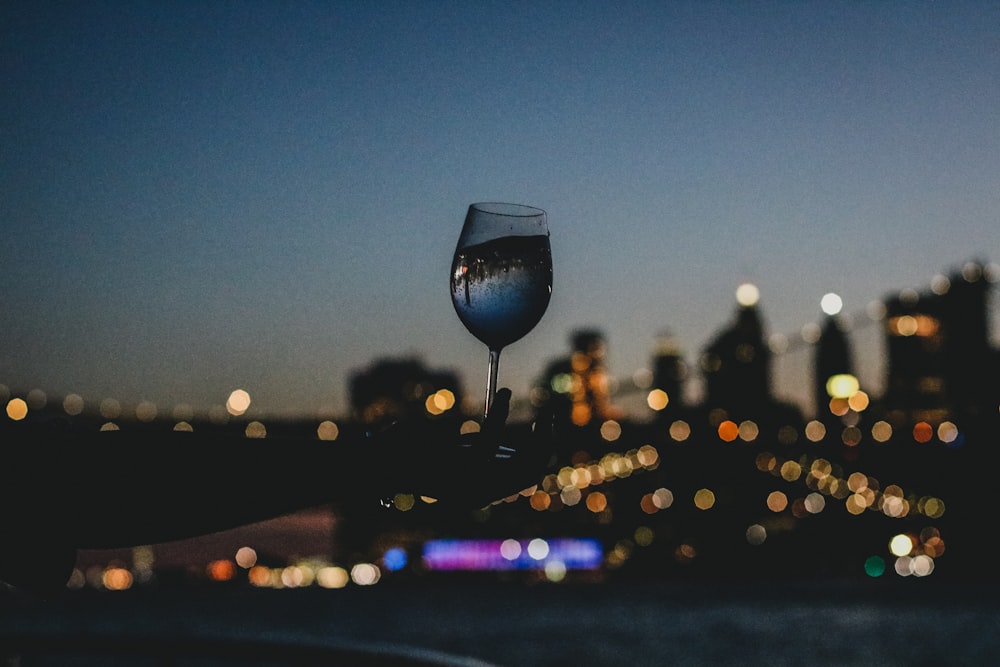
[499, 410]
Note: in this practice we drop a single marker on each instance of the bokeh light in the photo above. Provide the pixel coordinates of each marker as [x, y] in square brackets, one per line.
[221, 569]
[756, 534]
[881, 431]
[538, 548]
[923, 432]
[246, 557]
[73, 404]
[37, 399]
[831, 303]
[680, 430]
[395, 559]
[704, 499]
[238, 402]
[327, 430]
[874, 566]
[777, 501]
[365, 574]
[117, 579]
[662, 498]
[332, 577]
[255, 429]
[611, 430]
[815, 431]
[747, 295]
[728, 430]
[17, 409]
[842, 386]
[657, 399]
[901, 545]
[146, 411]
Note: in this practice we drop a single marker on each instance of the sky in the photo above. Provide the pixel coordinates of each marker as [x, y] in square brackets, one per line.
[199, 197]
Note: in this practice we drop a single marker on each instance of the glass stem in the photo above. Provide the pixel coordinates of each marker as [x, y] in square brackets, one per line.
[491, 380]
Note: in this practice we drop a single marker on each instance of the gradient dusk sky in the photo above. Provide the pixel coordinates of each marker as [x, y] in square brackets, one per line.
[202, 196]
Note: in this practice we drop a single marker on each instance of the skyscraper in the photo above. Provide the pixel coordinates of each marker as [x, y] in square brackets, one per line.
[737, 367]
[940, 363]
[669, 373]
[832, 358]
[578, 388]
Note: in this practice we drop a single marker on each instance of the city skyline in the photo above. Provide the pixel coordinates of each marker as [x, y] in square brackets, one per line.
[628, 390]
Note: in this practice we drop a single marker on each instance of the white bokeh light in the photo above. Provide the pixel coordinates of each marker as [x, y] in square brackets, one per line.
[831, 303]
[747, 294]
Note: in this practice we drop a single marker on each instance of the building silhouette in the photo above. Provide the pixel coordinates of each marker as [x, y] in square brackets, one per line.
[832, 358]
[736, 365]
[940, 365]
[395, 389]
[577, 388]
[670, 372]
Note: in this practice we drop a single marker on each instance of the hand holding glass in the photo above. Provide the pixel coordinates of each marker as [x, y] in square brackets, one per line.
[501, 276]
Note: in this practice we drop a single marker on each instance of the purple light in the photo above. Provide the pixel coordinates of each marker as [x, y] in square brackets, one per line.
[499, 555]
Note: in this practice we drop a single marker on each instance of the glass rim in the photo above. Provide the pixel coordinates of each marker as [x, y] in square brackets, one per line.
[507, 209]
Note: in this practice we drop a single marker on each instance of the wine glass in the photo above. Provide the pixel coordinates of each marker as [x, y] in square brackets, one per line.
[501, 277]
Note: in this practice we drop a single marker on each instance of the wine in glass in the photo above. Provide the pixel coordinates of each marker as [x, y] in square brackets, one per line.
[501, 276]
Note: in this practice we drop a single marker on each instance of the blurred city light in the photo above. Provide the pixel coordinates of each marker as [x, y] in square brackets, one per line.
[625, 475]
[17, 409]
[498, 555]
[747, 294]
[842, 386]
[238, 402]
[831, 303]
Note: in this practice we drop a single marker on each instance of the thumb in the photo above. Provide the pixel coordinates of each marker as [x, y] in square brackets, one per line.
[499, 410]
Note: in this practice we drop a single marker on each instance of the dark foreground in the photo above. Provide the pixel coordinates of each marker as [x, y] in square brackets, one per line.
[903, 622]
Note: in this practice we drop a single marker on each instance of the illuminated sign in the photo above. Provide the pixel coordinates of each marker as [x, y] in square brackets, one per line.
[510, 554]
